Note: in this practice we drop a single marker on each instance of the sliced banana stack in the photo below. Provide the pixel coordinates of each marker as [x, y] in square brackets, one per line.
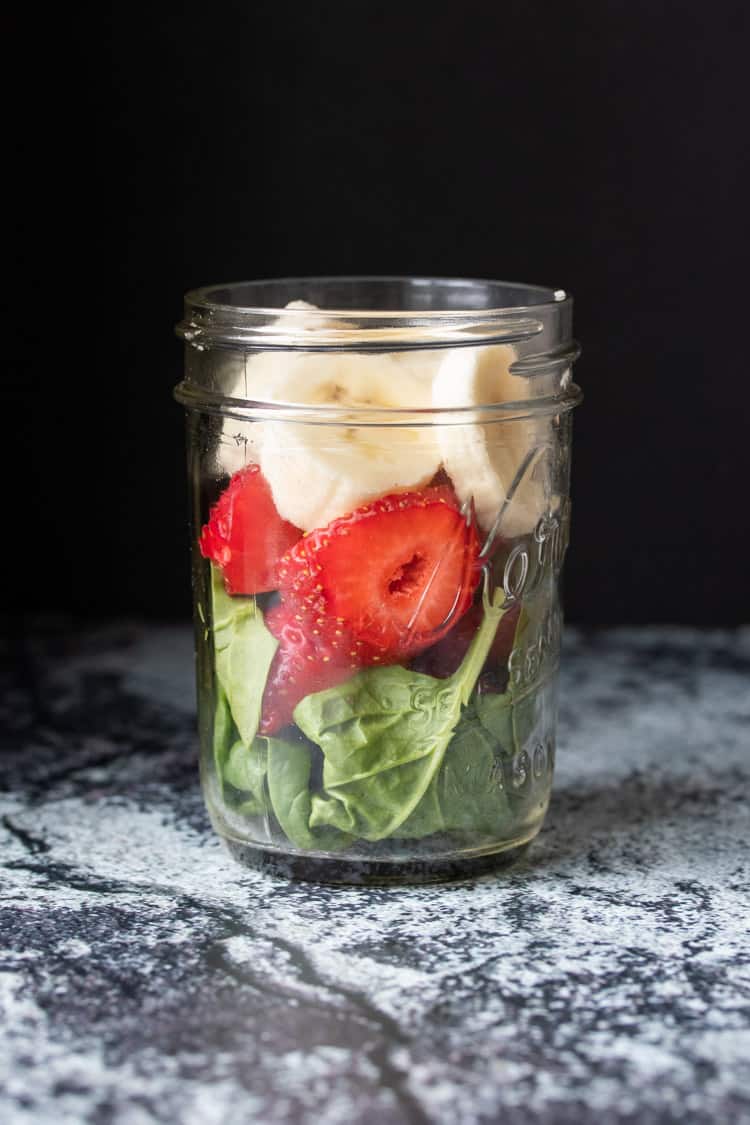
[320, 471]
[493, 463]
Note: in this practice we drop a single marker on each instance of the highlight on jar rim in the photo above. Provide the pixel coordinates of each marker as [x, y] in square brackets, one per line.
[379, 473]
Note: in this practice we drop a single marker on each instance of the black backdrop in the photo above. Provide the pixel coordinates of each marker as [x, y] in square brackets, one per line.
[595, 145]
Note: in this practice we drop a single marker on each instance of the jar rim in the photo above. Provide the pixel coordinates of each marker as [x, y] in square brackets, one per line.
[335, 315]
[552, 298]
[436, 313]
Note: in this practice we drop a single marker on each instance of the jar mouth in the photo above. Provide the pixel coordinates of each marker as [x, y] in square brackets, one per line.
[228, 328]
[370, 313]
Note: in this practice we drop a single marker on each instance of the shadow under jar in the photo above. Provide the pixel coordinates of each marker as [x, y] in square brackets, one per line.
[379, 488]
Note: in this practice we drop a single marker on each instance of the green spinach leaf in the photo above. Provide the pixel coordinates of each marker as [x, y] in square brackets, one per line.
[289, 765]
[244, 649]
[224, 732]
[245, 771]
[495, 713]
[384, 735]
[468, 794]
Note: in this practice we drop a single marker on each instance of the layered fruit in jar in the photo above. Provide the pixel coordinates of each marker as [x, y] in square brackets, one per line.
[367, 588]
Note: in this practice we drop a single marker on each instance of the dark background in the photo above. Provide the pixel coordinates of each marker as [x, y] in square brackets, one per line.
[593, 145]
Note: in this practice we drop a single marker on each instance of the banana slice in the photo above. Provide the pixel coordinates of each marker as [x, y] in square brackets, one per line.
[256, 377]
[492, 462]
[318, 472]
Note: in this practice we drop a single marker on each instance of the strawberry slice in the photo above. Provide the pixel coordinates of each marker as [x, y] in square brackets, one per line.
[396, 574]
[304, 662]
[245, 535]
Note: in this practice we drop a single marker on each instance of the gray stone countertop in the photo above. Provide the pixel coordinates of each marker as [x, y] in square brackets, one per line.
[146, 977]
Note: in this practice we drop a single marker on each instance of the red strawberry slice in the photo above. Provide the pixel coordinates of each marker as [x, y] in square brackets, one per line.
[397, 574]
[245, 535]
[304, 662]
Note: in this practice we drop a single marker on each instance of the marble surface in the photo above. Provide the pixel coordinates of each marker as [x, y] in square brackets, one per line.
[145, 977]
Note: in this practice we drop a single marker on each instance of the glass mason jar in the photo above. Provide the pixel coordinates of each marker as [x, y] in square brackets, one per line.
[379, 479]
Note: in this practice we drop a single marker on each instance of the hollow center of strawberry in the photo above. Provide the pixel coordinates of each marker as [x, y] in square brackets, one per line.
[409, 579]
[392, 577]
